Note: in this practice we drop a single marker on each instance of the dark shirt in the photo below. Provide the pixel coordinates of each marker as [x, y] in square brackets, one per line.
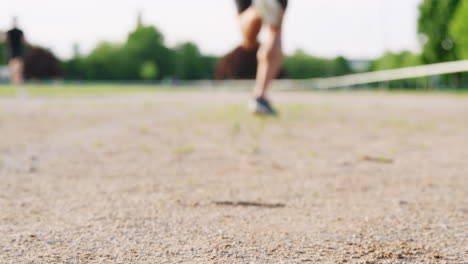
[15, 38]
[242, 5]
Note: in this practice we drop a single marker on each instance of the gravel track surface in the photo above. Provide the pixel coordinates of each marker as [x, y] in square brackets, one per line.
[191, 177]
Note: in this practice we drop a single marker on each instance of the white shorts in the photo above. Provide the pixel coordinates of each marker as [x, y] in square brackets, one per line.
[270, 10]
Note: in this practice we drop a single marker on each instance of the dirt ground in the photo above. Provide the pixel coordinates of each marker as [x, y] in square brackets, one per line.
[191, 177]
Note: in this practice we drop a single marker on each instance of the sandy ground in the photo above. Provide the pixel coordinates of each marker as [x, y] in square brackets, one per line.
[192, 178]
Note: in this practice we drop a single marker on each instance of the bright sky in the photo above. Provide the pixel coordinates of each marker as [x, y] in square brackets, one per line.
[357, 29]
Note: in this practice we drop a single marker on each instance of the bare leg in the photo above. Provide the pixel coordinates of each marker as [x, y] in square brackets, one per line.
[270, 57]
[251, 24]
[16, 71]
[16, 67]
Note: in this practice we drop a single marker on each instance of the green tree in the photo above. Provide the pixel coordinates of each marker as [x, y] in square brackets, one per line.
[392, 60]
[459, 30]
[73, 68]
[188, 62]
[149, 70]
[208, 64]
[143, 56]
[302, 66]
[403, 59]
[341, 66]
[434, 20]
[124, 62]
[107, 61]
[144, 44]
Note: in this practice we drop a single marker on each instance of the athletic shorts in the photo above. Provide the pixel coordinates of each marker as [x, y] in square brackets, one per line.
[242, 5]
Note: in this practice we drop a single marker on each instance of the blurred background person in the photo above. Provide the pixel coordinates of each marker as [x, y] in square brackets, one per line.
[16, 43]
[253, 15]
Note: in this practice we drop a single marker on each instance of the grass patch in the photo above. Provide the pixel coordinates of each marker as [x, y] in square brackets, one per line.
[76, 90]
[236, 128]
[312, 154]
[377, 159]
[395, 123]
[310, 112]
[148, 106]
[147, 149]
[256, 127]
[185, 150]
[405, 124]
[108, 89]
[293, 109]
[212, 113]
[405, 92]
[423, 146]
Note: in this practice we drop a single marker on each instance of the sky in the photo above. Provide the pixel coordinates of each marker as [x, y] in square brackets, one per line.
[357, 29]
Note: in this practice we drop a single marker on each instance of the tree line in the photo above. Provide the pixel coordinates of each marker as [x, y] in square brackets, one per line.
[144, 56]
[442, 27]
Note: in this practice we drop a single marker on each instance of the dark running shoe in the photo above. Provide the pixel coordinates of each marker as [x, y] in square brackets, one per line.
[262, 106]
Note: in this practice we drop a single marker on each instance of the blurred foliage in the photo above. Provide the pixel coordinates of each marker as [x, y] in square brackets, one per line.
[145, 44]
[442, 25]
[459, 30]
[459, 33]
[2, 53]
[433, 25]
[391, 60]
[301, 65]
[143, 52]
[191, 64]
[149, 71]
[145, 48]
